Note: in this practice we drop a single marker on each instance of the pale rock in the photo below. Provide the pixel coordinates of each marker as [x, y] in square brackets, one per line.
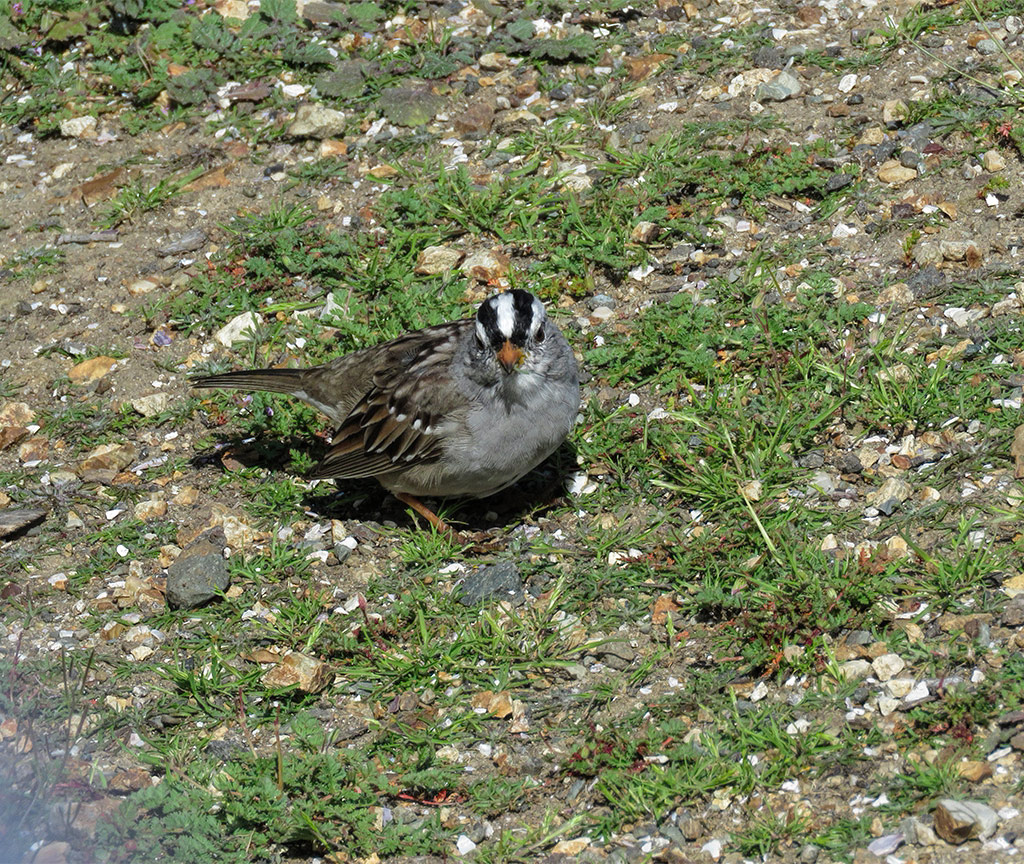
[434, 260]
[896, 547]
[886, 705]
[572, 847]
[153, 404]
[238, 534]
[919, 692]
[958, 250]
[33, 449]
[896, 294]
[142, 286]
[872, 136]
[887, 666]
[16, 414]
[186, 496]
[898, 374]
[644, 232]
[898, 688]
[486, 266]
[331, 149]
[854, 670]
[493, 61]
[893, 487]
[78, 127]
[152, 508]
[894, 110]
[752, 491]
[310, 674]
[783, 86]
[993, 161]
[895, 174]
[317, 121]
[108, 457]
[238, 329]
[926, 254]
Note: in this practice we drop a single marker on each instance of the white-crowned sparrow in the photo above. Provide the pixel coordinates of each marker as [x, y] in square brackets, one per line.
[459, 409]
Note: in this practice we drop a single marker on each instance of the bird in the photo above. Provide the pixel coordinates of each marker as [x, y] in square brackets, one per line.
[462, 409]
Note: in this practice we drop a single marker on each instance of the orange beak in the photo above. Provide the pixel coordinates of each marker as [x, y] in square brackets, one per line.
[510, 356]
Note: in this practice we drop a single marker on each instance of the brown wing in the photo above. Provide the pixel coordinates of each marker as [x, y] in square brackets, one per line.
[397, 422]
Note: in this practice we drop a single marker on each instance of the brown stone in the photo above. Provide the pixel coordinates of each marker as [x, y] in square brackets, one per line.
[34, 449]
[478, 116]
[808, 14]
[91, 370]
[311, 675]
[974, 771]
[486, 266]
[108, 457]
[893, 173]
[641, 68]
[332, 149]
[955, 822]
[16, 414]
[131, 780]
[10, 435]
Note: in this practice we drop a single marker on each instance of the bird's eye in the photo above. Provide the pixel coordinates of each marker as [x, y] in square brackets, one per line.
[480, 344]
[540, 336]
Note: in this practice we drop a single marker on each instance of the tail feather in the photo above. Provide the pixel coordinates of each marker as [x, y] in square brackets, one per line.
[273, 380]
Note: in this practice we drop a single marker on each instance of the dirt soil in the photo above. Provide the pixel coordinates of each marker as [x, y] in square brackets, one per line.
[108, 296]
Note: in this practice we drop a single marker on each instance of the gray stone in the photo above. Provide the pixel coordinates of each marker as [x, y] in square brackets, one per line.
[410, 106]
[187, 242]
[618, 655]
[347, 80]
[783, 86]
[809, 854]
[198, 573]
[811, 459]
[849, 463]
[497, 582]
[927, 253]
[1013, 614]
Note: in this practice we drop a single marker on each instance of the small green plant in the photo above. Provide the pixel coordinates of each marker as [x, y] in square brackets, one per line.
[767, 833]
[140, 197]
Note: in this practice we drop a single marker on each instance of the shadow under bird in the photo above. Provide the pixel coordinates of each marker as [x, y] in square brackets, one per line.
[462, 409]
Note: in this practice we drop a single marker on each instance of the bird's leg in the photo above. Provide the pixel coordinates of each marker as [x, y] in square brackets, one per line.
[424, 511]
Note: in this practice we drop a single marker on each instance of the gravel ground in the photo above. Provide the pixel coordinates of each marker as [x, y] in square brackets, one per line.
[98, 328]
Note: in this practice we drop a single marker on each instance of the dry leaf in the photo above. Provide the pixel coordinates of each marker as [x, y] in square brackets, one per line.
[215, 178]
[664, 605]
[99, 188]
